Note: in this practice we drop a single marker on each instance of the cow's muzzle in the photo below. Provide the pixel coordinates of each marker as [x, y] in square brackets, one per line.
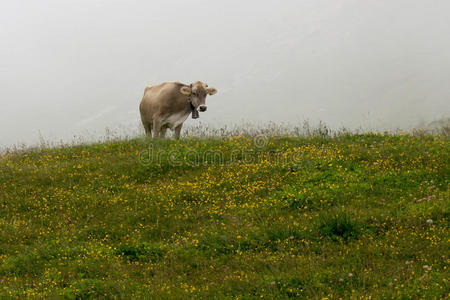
[202, 108]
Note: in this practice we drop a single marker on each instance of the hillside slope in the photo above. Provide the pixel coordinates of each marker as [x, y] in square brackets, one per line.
[239, 217]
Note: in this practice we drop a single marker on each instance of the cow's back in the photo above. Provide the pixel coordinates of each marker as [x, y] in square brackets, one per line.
[161, 99]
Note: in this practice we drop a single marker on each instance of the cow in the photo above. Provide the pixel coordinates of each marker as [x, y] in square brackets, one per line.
[167, 105]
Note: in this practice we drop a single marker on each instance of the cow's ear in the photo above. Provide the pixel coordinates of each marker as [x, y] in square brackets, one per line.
[185, 90]
[211, 91]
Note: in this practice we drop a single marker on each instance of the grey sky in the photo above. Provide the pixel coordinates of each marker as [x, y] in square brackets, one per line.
[75, 67]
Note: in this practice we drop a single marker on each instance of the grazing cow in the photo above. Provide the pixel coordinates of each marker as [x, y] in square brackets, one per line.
[167, 105]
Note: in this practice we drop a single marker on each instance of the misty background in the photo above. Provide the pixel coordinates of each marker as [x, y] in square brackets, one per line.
[77, 67]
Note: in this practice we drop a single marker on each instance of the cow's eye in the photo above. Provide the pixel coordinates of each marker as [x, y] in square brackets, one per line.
[195, 94]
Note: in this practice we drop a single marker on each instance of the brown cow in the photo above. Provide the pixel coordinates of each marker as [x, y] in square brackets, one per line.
[167, 105]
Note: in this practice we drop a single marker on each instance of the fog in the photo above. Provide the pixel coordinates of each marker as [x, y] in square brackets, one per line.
[77, 67]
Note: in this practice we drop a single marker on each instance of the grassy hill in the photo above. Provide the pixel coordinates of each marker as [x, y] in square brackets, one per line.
[240, 217]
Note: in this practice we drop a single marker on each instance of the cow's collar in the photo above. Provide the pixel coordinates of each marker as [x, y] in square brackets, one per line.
[194, 111]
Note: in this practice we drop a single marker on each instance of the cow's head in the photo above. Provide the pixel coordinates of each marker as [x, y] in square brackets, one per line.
[197, 93]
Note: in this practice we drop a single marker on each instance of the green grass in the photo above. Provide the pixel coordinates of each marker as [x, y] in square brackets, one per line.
[241, 217]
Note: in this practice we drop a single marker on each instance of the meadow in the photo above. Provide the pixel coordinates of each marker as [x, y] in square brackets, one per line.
[267, 215]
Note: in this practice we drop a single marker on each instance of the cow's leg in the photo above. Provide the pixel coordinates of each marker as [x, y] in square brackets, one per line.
[148, 128]
[156, 129]
[162, 132]
[178, 131]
